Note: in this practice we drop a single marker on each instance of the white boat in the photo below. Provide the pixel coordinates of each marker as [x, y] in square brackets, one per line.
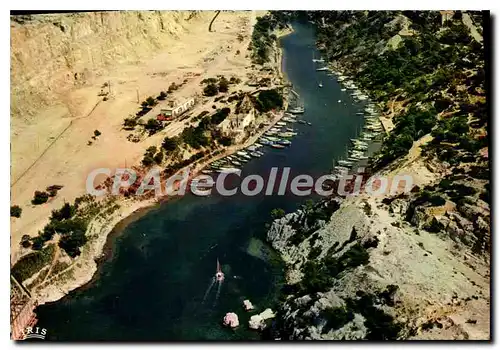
[274, 145]
[242, 153]
[297, 110]
[344, 162]
[322, 69]
[255, 154]
[339, 101]
[235, 162]
[320, 84]
[342, 89]
[287, 134]
[281, 124]
[228, 170]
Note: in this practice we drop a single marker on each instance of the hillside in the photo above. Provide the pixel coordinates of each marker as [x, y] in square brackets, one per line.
[76, 74]
[413, 265]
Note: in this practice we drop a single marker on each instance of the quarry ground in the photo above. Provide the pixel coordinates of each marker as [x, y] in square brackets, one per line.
[52, 148]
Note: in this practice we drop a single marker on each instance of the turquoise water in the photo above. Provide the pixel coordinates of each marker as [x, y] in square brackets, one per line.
[153, 286]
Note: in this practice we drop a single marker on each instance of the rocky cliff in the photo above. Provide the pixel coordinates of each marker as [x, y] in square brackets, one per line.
[369, 273]
[411, 265]
[55, 53]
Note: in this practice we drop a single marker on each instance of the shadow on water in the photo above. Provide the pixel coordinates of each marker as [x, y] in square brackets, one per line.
[154, 285]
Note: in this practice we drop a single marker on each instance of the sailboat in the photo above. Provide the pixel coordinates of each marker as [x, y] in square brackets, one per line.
[318, 60]
[219, 275]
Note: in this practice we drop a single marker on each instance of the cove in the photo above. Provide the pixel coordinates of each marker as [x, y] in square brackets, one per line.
[154, 287]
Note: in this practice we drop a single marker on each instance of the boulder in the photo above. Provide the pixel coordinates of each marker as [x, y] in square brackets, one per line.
[256, 322]
[231, 320]
[247, 305]
[268, 313]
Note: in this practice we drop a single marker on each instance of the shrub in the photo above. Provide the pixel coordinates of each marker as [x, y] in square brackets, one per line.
[151, 101]
[158, 158]
[129, 123]
[170, 144]
[314, 253]
[335, 318]
[66, 212]
[277, 213]
[223, 85]
[97, 133]
[153, 126]
[220, 115]
[268, 100]
[72, 242]
[172, 88]
[30, 264]
[40, 197]
[15, 211]
[210, 90]
[162, 96]
[26, 241]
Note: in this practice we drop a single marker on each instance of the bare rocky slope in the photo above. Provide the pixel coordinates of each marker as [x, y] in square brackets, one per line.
[412, 265]
[54, 53]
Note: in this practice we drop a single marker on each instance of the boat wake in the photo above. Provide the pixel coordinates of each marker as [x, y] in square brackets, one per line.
[208, 290]
[217, 279]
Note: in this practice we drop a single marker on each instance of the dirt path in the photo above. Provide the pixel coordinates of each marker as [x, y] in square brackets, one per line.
[53, 262]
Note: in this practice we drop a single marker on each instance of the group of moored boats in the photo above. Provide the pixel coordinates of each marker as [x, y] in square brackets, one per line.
[277, 136]
[234, 162]
[371, 130]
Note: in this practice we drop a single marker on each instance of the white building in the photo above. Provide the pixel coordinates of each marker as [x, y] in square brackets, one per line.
[179, 109]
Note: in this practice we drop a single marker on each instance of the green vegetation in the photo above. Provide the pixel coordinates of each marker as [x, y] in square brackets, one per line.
[71, 223]
[318, 275]
[205, 133]
[151, 101]
[220, 115]
[409, 127]
[210, 90]
[268, 100]
[162, 96]
[170, 144]
[277, 213]
[129, 123]
[223, 85]
[153, 126]
[381, 326]
[148, 159]
[25, 241]
[262, 39]
[30, 264]
[40, 197]
[172, 88]
[213, 86]
[335, 318]
[437, 74]
[15, 211]
[158, 157]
